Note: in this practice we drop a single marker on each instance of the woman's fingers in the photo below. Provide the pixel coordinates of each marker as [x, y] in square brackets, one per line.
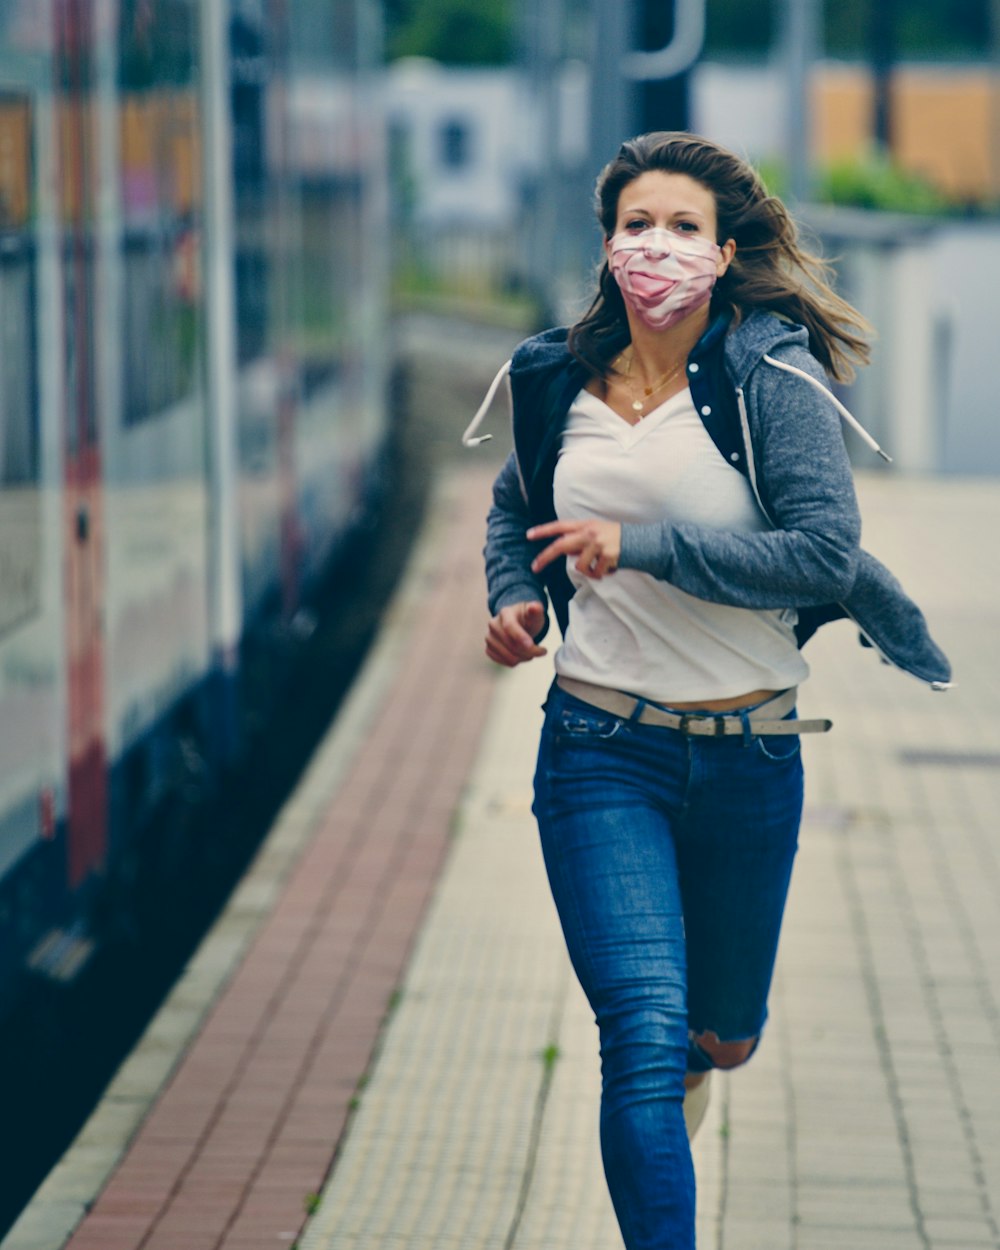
[596, 543]
[499, 648]
[508, 640]
[601, 565]
[501, 655]
[588, 560]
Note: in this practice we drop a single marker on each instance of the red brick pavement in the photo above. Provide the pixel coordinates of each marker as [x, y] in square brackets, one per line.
[250, 1122]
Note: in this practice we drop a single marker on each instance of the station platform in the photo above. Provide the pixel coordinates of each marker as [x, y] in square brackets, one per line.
[381, 1045]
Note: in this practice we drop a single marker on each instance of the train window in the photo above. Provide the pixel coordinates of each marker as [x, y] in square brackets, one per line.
[18, 397]
[20, 504]
[161, 199]
[250, 69]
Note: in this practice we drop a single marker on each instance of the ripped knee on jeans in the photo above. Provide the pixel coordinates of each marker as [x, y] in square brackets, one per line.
[724, 1054]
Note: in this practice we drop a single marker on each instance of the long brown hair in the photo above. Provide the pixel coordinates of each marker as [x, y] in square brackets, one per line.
[771, 270]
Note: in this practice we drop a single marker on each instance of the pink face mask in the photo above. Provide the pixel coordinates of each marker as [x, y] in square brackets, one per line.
[664, 276]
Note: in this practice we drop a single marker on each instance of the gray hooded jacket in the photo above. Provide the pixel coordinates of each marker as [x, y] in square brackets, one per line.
[778, 427]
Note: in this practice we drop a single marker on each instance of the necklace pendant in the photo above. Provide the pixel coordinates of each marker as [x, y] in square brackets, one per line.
[637, 405]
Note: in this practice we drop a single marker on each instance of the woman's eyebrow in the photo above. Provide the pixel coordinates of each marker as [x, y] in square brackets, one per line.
[680, 212]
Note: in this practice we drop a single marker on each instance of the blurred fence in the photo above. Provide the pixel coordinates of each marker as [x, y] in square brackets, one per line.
[483, 263]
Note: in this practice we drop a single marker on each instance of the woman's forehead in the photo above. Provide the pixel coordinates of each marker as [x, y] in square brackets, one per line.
[659, 189]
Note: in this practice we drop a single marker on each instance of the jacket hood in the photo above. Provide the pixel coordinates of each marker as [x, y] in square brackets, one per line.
[756, 336]
[541, 351]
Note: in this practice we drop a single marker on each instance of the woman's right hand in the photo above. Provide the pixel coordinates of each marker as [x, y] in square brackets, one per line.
[510, 638]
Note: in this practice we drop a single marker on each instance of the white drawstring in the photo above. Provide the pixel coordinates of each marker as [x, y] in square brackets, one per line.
[484, 407]
[848, 416]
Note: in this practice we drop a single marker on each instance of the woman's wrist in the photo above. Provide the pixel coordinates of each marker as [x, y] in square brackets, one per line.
[647, 548]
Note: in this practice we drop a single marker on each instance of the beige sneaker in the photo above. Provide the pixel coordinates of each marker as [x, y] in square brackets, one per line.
[696, 1104]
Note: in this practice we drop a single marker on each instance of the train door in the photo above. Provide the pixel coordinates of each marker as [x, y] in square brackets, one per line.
[83, 510]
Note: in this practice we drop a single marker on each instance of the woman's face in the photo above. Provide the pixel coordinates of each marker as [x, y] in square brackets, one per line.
[670, 202]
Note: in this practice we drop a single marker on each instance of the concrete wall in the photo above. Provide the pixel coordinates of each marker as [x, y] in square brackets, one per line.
[965, 276]
[929, 288]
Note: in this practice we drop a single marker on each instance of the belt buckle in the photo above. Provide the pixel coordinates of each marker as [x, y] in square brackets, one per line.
[696, 724]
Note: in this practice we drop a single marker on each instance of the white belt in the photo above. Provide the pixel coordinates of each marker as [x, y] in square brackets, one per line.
[765, 719]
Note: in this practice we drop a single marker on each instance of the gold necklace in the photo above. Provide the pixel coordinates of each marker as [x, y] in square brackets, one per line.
[639, 404]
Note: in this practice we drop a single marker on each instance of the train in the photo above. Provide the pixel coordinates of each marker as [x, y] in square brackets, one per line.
[194, 405]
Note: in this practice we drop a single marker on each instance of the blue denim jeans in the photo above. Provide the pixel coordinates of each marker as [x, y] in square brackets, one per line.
[669, 859]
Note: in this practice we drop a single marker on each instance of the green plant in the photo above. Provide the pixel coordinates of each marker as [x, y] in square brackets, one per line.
[876, 182]
[774, 175]
[311, 1203]
[455, 32]
[418, 289]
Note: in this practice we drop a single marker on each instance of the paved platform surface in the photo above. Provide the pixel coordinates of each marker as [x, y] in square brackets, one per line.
[869, 1118]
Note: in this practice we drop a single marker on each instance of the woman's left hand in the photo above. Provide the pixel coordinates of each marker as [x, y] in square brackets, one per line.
[598, 545]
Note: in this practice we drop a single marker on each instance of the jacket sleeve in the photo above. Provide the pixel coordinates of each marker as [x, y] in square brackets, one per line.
[810, 557]
[508, 553]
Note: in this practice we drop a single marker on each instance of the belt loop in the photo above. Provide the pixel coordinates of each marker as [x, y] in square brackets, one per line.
[637, 710]
[747, 731]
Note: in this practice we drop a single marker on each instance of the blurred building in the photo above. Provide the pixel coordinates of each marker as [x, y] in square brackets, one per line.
[462, 138]
[468, 150]
[945, 125]
[470, 137]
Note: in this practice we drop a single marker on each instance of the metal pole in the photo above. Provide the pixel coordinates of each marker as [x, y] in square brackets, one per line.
[612, 93]
[801, 50]
[679, 54]
[550, 29]
[616, 68]
[883, 50]
[994, 187]
[543, 25]
[225, 582]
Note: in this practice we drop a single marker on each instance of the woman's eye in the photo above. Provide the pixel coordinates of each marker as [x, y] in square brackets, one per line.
[636, 225]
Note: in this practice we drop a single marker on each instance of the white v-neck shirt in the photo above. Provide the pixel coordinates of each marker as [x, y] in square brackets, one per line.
[634, 632]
